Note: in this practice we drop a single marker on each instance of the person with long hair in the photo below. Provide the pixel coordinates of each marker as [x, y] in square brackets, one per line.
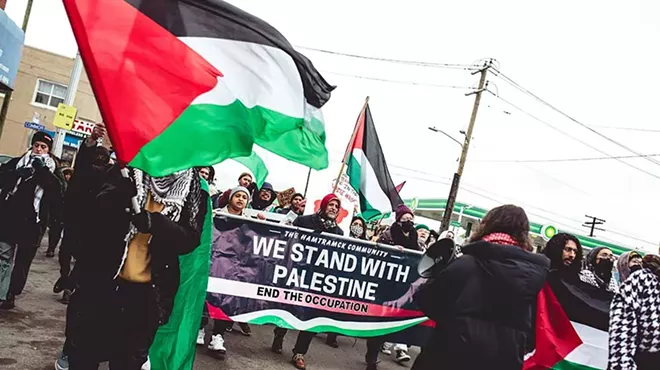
[482, 301]
[598, 269]
[565, 254]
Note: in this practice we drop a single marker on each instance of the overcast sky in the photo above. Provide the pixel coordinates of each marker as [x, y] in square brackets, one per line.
[592, 59]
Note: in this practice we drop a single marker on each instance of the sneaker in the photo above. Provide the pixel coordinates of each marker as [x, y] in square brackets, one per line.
[217, 344]
[245, 329]
[59, 286]
[200, 337]
[62, 362]
[9, 303]
[277, 345]
[402, 356]
[386, 349]
[298, 361]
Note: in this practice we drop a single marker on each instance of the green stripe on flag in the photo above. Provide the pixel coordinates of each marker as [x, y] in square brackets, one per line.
[567, 365]
[256, 165]
[206, 134]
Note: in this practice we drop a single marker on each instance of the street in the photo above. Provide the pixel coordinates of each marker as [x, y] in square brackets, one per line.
[32, 335]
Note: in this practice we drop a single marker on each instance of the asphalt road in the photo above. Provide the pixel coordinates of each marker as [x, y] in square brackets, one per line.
[31, 336]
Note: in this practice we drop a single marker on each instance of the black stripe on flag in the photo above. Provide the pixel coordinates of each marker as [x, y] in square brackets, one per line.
[374, 152]
[218, 19]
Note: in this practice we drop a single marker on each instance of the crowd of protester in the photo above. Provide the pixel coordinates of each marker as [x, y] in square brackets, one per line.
[125, 286]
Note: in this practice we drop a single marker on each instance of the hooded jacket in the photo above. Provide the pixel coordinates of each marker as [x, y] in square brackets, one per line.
[590, 276]
[395, 236]
[482, 305]
[100, 258]
[259, 204]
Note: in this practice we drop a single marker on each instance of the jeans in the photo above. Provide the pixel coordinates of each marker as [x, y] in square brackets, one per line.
[6, 266]
[302, 343]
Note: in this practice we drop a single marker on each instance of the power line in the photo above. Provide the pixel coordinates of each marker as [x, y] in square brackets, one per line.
[507, 79]
[398, 81]
[626, 128]
[391, 60]
[574, 138]
[565, 159]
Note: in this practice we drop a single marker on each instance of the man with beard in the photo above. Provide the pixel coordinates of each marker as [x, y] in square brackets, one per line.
[264, 198]
[297, 205]
[322, 221]
[128, 272]
[565, 254]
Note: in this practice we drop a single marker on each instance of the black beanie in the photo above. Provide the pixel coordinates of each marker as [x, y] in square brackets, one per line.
[44, 138]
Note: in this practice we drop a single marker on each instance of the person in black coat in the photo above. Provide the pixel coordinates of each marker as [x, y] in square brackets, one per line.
[325, 220]
[482, 301]
[127, 274]
[29, 194]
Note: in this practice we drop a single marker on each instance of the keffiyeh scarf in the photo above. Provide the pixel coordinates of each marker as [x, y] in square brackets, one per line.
[325, 221]
[500, 238]
[26, 162]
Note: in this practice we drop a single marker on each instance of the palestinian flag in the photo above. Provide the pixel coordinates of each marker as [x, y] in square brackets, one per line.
[194, 82]
[367, 170]
[569, 329]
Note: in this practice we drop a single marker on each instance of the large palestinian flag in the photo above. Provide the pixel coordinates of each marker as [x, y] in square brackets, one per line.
[367, 170]
[194, 82]
[571, 328]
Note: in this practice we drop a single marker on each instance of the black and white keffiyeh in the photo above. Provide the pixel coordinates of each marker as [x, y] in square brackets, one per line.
[176, 192]
[26, 162]
[634, 320]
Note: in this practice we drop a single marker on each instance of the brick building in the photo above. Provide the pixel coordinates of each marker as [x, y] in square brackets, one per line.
[40, 85]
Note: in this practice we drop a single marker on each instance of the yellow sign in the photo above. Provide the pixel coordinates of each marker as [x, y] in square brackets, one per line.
[65, 116]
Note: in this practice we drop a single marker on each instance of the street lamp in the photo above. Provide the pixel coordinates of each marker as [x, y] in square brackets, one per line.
[435, 129]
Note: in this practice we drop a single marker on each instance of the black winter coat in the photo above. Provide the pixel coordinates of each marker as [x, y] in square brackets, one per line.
[313, 222]
[100, 258]
[17, 214]
[395, 236]
[482, 305]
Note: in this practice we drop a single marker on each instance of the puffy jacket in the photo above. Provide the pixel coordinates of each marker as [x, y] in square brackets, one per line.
[482, 305]
[394, 236]
[313, 222]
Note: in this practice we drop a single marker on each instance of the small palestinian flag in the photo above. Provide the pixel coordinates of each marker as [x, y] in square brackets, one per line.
[367, 170]
[563, 343]
[194, 82]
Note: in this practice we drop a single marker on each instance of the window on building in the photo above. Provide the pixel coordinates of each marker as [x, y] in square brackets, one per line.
[49, 93]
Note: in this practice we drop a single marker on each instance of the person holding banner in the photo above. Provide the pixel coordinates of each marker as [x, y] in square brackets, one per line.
[358, 230]
[239, 198]
[482, 301]
[325, 220]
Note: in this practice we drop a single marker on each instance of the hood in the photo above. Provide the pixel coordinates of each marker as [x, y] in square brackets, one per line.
[622, 264]
[513, 273]
[259, 204]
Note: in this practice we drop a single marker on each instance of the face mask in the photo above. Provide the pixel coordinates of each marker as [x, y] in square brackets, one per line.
[407, 226]
[604, 266]
[634, 268]
[357, 230]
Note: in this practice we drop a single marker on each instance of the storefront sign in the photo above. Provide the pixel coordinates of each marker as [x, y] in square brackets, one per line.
[82, 127]
[11, 48]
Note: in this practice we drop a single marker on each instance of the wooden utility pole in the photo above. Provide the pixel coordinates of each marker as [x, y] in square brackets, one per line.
[7, 98]
[453, 191]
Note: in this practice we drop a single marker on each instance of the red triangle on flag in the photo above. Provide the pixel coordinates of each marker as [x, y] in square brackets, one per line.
[555, 335]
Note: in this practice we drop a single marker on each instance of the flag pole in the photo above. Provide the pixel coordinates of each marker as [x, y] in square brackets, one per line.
[350, 142]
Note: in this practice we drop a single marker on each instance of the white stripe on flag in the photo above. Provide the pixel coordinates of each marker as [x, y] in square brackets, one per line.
[369, 185]
[257, 75]
[593, 351]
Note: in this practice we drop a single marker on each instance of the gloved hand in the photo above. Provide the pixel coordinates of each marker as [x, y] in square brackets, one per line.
[25, 172]
[37, 163]
[126, 188]
[142, 222]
